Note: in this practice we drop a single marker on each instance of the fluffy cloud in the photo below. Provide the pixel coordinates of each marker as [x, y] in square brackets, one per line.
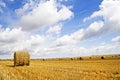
[41, 45]
[82, 34]
[65, 40]
[55, 29]
[109, 11]
[8, 39]
[37, 39]
[2, 4]
[104, 49]
[44, 13]
[7, 35]
[15, 39]
[92, 31]
[74, 50]
[116, 39]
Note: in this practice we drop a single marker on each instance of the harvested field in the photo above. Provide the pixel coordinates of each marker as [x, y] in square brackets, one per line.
[62, 70]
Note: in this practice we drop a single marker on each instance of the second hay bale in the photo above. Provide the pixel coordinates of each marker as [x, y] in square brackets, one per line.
[21, 58]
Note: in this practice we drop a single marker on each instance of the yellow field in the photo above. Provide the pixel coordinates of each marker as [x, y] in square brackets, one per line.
[62, 70]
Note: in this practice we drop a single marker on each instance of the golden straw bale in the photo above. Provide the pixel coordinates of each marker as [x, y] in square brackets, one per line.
[21, 58]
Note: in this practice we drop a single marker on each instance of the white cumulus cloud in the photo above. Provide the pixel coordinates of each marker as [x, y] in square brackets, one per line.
[82, 34]
[55, 29]
[44, 14]
[8, 35]
[109, 11]
[15, 39]
[116, 39]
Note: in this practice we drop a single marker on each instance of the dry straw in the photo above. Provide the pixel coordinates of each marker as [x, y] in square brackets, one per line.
[21, 58]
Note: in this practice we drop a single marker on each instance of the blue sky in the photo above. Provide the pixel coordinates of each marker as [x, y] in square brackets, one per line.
[59, 28]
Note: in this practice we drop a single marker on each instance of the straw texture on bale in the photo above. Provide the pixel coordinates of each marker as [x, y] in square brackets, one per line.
[21, 58]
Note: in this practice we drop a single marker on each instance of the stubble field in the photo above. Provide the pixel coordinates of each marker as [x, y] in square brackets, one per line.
[62, 70]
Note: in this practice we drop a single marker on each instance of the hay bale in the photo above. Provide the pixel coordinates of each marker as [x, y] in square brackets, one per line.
[102, 57]
[21, 58]
[81, 58]
[90, 57]
[72, 58]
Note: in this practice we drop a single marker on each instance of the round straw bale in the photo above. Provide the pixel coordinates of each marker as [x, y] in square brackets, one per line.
[102, 57]
[21, 58]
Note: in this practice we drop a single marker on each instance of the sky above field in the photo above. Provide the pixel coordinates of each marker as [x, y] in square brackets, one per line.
[59, 28]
